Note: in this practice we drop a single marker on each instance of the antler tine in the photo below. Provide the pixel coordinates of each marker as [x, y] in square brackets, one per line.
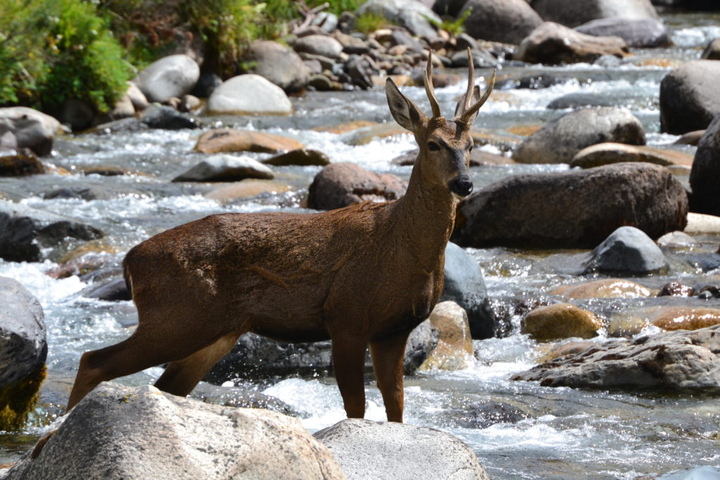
[467, 114]
[430, 90]
[471, 82]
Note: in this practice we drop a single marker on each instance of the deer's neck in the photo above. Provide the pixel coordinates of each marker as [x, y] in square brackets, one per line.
[427, 217]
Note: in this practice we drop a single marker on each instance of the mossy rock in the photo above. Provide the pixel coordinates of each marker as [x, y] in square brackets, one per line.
[19, 398]
[20, 165]
[560, 321]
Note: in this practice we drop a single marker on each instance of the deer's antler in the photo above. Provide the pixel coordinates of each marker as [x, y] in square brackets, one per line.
[466, 108]
[430, 90]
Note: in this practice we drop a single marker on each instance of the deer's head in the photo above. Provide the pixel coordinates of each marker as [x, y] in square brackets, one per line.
[445, 145]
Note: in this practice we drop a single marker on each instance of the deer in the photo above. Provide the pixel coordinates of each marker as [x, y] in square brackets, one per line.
[364, 275]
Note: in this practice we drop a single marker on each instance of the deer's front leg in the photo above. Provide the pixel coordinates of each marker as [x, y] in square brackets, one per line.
[349, 358]
[387, 358]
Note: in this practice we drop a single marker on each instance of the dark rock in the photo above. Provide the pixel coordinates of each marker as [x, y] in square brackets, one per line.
[705, 172]
[483, 415]
[642, 33]
[420, 345]
[171, 76]
[366, 449]
[125, 125]
[279, 64]
[22, 164]
[712, 51]
[690, 97]
[114, 290]
[506, 21]
[465, 286]
[627, 250]
[302, 156]
[679, 361]
[554, 44]
[448, 8]
[402, 37]
[574, 209]
[321, 83]
[205, 85]
[481, 59]
[579, 12]
[141, 433]
[561, 139]
[225, 168]
[361, 69]
[533, 82]
[341, 184]
[166, 118]
[79, 114]
[676, 289]
[24, 232]
[581, 100]
[240, 398]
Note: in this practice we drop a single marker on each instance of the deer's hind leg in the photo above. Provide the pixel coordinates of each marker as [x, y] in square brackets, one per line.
[387, 357]
[181, 376]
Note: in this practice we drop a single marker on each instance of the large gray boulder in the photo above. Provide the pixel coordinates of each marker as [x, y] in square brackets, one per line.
[279, 64]
[141, 433]
[171, 76]
[25, 232]
[554, 44]
[637, 33]
[574, 209]
[627, 250]
[249, 95]
[322, 45]
[705, 173]
[690, 97]
[29, 128]
[464, 284]
[341, 184]
[679, 361]
[390, 451]
[410, 14]
[577, 12]
[23, 351]
[507, 21]
[561, 139]
[225, 168]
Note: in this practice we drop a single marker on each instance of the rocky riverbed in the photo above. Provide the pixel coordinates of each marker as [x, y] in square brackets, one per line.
[648, 408]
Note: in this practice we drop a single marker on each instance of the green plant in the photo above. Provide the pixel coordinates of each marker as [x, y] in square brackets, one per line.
[453, 27]
[369, 22]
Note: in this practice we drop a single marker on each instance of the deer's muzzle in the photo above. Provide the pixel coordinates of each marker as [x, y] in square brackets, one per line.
[461, 185]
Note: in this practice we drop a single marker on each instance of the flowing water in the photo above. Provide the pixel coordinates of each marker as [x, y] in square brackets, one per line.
[518, 429]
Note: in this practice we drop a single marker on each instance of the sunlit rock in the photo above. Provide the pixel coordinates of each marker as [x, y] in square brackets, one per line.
[563, 320]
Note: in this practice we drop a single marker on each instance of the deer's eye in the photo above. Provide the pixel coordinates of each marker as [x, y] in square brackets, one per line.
[470, 148]
[433, 147]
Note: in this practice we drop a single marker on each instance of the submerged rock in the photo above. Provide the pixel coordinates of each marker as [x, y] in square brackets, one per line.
[681, 361]
[388, 451]
[302, 156]
[563, 320]
[140, 433]
[23, 351]
[553, 44]
[341, 184]
[561, 139]
[628, 250]
[574, 209]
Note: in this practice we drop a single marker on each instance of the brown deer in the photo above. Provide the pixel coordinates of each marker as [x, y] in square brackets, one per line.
[364, 274]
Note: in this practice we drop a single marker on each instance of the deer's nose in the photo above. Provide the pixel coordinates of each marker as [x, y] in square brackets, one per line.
[461, 185]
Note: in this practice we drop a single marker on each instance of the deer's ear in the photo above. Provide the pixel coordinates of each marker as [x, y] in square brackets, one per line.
[405, 112]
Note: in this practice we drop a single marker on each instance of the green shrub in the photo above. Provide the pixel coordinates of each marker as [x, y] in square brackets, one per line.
[369, 22]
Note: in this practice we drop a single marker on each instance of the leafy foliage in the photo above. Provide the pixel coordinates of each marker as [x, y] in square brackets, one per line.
[368, 22]
[453, 27]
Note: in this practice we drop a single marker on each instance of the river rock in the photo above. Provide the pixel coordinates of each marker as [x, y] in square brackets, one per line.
[23, 351]
[206, 84]
[610, 152]
[230, 140]
[582, 100]
[680, 317]
[604, 288]
[171, 76]
[506, 21]
[574, 209]
[627, 250]
[249, 95]
[225, 168]
[559, 321]
[140, 433]
[561, 139]
[464, 285]
[318, 45]
[681, 361]
[690, 138]
[166, 118]
[279, 64]
[389, 451]
[246, 189]
[302, 157]
[137, 97]
[32, 129]
[637, 33]
[25, 232]
[341, 184]
[579, 12]
[705, 173]
[112, 290]
[712, 51]
[366, 134]
[20, 164]
[690, 97]
[454, 347]
[553, 44]
[699, 223]
[410, 14]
